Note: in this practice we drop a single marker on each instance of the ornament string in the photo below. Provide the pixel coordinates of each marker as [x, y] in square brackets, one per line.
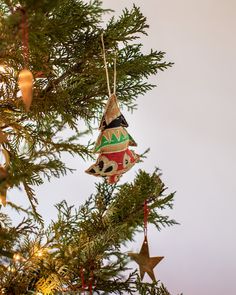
[114, 85]
[106, 68]
[25, 37]
[91, 283]
[82, 280]
[105, 64]
[145, 221]
[83, 283]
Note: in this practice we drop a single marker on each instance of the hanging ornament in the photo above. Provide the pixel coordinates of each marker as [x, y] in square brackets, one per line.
[145, 262]
[113, 143]
[25, 78]
[25, 82]
[143, 259]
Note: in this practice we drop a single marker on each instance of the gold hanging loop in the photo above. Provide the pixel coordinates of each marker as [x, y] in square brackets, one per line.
[105, 64]
[114, 85]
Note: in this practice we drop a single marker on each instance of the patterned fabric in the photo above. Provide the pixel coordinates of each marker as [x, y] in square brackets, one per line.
[119, 121]
[113, 165]
[113, 145]
[113, 140]
[112, 111]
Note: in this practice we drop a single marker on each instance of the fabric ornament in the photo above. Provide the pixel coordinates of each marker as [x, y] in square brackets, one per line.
[115, 158]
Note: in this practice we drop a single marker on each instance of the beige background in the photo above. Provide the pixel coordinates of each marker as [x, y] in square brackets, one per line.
[192, 112]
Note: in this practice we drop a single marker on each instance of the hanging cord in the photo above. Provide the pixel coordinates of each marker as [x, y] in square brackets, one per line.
[91, 283]
[106, 68]
[82, 280]
[114, 85]
[145, 217]
[105, 64]
[25, 37]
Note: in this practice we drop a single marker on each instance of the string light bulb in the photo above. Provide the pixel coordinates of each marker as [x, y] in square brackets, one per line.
[17, 257]
[39, 253]
[2, 69]
[11, 268]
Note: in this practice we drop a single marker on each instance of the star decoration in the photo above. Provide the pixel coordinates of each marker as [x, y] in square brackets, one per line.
[145, 262]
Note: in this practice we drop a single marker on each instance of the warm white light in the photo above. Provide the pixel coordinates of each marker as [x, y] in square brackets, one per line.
[39, 253]
[2, 69]
[11, 268]
[16, 257]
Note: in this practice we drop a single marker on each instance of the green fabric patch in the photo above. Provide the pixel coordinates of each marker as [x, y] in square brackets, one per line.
[114, 140]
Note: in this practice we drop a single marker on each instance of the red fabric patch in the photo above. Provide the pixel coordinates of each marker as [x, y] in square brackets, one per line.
[113, 165]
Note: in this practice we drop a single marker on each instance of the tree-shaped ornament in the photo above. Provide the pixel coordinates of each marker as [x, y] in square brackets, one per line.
[115, 158]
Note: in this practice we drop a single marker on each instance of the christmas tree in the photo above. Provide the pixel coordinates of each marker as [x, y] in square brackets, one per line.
[57, 47]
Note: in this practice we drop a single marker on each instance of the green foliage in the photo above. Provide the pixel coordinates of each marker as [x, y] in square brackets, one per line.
[90, 239]
[70, 88]
[65, 49]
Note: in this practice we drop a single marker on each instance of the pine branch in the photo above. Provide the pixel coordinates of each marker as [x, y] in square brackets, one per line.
[70, 86]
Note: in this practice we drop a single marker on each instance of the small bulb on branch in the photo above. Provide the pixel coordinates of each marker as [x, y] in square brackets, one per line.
[2, 69]
[17, 257]
[25, 82]
[39, 253]
[11, 268]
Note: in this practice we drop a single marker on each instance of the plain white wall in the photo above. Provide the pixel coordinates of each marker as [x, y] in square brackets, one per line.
[193, 111]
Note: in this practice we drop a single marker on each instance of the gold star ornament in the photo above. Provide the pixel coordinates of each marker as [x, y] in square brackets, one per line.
[145, 262]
